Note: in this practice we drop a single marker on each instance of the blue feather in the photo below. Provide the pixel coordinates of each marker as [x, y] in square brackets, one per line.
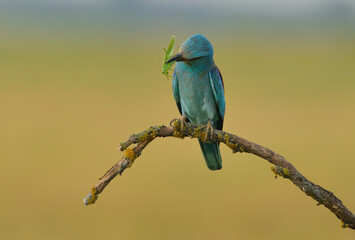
[199, 92]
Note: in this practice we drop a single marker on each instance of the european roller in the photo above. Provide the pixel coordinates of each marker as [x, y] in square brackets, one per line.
[199, 92]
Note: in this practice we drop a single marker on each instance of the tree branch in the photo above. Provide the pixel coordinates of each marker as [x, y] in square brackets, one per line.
[282, 167]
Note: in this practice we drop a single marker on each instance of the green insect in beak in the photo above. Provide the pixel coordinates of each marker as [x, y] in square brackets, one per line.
[168, 54]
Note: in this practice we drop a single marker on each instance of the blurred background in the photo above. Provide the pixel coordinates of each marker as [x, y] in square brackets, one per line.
[79, 76]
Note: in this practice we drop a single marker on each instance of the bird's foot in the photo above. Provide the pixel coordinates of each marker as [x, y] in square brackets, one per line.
[183, 124]
[177, 126]
[209, 130]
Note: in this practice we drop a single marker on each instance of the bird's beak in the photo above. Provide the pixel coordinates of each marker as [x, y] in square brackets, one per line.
[178, 57]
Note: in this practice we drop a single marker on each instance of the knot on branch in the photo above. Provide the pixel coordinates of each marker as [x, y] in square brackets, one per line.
[147, 135]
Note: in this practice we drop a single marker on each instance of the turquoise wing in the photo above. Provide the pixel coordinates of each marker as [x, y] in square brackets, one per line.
[218, 92]
[176, 92]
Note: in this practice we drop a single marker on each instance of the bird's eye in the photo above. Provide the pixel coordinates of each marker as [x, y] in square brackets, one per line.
[192, 59]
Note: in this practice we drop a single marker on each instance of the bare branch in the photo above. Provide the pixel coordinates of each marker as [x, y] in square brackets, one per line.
[282, 167]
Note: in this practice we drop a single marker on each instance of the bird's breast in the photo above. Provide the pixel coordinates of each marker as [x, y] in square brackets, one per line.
[196, 96]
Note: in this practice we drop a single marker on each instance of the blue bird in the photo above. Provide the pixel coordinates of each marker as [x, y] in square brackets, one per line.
[199, 92]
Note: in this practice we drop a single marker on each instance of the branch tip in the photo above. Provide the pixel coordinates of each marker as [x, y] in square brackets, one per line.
[91, 197]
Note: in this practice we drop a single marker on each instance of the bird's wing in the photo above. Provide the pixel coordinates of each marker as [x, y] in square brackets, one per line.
[176, 92]
[218, 92]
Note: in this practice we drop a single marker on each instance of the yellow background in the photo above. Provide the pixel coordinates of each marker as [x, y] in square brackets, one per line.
[66, 102]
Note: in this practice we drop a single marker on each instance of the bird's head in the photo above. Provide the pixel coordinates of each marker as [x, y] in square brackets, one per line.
[195, 47]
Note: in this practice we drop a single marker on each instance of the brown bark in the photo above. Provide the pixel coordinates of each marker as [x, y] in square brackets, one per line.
[237, 144]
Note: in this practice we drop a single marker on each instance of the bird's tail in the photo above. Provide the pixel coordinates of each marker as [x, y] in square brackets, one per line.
[212, 155]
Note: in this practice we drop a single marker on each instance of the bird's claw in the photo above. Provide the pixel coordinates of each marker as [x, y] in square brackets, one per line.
[209, 129]
[183, 124]
[179, 126]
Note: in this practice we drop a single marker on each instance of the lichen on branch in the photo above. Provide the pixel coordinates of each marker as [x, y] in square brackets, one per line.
[280, 167]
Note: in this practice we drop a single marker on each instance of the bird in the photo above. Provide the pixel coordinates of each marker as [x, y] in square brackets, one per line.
[198, 90]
